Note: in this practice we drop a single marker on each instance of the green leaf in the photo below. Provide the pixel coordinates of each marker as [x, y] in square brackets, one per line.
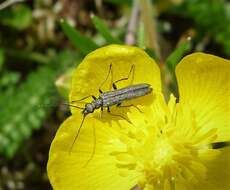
[25, 55]
[177, 54]
[84, 44]
[31, 103]
[104, 30]
[2, 58]
[19, 17]
[141, 36]
[8, 79]
[120, 2]
[208, 16]
[152, 54]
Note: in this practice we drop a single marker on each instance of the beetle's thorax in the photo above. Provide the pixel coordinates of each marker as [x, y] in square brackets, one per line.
[90, 107]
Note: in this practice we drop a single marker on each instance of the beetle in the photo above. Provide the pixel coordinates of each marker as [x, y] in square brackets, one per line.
[111, 98]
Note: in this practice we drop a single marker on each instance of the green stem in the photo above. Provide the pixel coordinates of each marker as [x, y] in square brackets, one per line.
[130, 38]
[150, 26]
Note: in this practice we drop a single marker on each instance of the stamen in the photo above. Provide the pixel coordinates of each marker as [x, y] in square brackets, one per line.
[165, 153]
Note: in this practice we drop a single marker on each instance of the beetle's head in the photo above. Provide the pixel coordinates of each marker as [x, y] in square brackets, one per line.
[89, 108]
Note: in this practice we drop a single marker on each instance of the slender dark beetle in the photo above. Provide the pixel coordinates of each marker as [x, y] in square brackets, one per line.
[113, 97]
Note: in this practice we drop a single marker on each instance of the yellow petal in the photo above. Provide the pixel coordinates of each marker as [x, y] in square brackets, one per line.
[91, 74]
[80, 168]
[218, 172]
[204, 86]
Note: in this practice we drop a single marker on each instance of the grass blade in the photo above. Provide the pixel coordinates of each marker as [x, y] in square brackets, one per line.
[177, 54]
[84, 44]
[104, 30]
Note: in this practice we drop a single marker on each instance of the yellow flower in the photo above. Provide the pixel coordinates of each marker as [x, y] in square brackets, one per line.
[168, 146]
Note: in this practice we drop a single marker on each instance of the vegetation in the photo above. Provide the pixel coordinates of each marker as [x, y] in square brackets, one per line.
[42, 41]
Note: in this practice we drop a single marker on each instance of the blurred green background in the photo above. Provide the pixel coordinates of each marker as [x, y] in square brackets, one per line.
[42, 41]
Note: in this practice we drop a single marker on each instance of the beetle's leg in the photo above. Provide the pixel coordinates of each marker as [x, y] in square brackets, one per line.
[101, 114]
[116, 115]
[100, 91]
[114, 86]
[131, 105]
[110, 71]
[132, 70]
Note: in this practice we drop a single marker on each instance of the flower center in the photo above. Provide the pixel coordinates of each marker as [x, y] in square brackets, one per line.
[167, 151]
[163, 152]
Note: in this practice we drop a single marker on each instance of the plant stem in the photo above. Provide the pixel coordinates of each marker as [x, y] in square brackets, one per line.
[8, 3]
[150, 26]
[130, 38]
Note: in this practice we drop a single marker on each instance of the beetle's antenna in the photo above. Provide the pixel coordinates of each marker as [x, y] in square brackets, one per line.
[71, 105]
[67, 104]
[78, 132]
[94, 148]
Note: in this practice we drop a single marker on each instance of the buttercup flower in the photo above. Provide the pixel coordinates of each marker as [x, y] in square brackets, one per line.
[165, 145]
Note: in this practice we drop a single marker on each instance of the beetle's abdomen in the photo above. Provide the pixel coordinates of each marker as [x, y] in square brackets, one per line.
[131, 92]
